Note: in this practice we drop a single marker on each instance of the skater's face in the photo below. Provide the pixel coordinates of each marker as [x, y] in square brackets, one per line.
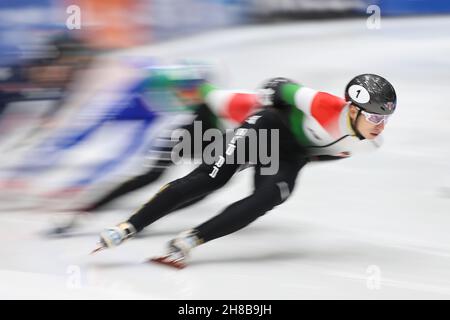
[367, 129]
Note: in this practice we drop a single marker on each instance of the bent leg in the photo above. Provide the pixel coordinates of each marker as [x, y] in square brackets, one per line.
[181, 193]
[272, 191]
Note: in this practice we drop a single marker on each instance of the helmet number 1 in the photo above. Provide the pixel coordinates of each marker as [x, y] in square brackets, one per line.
[359, 94]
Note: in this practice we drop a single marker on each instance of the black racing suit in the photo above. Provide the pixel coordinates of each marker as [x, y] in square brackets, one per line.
[269, 190]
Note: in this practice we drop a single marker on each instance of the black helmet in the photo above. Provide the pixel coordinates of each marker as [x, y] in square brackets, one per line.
[371, 93]
[273, 86]
[275, 83]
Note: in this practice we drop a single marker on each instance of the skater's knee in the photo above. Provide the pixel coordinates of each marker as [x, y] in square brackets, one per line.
[272, 195]
[283, 191]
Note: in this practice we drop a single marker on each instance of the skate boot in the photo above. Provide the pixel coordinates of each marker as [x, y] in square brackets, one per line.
[114, 236]
[178, 249]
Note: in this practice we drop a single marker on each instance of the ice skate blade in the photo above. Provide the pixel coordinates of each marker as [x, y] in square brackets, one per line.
[167, 262]
[99, 248]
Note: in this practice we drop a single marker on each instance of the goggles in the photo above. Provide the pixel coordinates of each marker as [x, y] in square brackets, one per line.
[375, 118]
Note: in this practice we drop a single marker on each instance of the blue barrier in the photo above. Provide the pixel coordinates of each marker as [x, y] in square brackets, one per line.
[407, 7]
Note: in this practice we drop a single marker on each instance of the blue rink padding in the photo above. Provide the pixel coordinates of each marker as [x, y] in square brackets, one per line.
[411, 7]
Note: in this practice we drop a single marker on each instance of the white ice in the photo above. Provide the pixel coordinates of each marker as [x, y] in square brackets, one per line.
[370, 227]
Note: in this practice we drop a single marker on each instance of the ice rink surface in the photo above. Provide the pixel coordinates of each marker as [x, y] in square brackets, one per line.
[370, 227]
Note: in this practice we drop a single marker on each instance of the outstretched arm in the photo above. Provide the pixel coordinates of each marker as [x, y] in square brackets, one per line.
[230, 104]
